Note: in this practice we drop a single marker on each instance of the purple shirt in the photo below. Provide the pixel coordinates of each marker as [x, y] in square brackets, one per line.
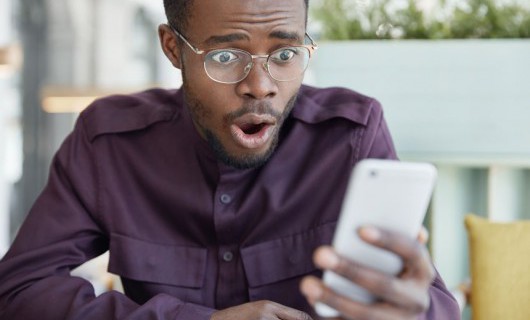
[186, 233]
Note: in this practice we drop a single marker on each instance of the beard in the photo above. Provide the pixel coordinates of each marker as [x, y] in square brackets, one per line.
[243, 160]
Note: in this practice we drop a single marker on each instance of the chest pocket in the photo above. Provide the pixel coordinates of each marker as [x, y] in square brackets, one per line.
[148, 269]
[274, 268]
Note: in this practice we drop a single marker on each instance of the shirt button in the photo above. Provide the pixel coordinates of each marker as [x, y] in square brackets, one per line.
[228, 256]
[226, 199]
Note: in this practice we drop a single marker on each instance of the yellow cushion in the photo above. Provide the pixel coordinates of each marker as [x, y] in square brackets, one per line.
[500, 268]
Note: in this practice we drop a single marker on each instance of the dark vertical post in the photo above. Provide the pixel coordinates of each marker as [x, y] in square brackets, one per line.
[33, 27]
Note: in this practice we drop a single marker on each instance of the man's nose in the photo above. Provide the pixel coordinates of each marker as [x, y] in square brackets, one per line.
[258, 84]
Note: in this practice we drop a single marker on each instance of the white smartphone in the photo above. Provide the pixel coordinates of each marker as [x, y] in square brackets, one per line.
[388, 194]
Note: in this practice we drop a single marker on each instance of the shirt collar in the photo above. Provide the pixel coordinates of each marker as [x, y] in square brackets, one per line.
[315, 105]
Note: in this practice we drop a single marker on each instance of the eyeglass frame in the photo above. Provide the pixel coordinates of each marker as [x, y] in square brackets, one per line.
[311, 47]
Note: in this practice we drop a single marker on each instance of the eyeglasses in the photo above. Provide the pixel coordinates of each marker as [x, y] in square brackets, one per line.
[231, 66]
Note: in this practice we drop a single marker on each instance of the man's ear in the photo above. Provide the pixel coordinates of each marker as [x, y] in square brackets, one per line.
[170, 45]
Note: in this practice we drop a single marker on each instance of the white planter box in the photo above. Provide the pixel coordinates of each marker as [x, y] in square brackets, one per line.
[446, 100]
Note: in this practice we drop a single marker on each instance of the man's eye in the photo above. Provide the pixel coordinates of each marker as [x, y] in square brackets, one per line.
[284, 55]
[224, 57]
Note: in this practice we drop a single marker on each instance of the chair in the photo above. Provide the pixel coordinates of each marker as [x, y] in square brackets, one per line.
[499, 268]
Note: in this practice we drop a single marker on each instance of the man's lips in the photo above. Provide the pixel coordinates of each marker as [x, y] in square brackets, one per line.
[253, 131]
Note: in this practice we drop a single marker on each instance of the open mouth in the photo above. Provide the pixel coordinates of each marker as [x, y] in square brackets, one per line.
[250, 128]
[253, 131]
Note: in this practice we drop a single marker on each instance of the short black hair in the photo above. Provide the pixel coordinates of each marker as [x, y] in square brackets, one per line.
[178, 12]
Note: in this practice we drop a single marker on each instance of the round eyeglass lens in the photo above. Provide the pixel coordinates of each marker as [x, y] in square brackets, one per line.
[288, 63]
[227, 65]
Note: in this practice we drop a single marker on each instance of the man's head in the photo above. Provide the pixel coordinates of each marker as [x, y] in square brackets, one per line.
[241, 120]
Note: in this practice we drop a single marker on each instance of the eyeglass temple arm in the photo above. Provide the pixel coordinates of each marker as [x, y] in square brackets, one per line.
[195, 49]
[313, 43]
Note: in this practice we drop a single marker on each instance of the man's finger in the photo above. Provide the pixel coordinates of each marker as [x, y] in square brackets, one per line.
[287, 313]
[423, 235]
[415, 256]
[316, 291]
[386, 287]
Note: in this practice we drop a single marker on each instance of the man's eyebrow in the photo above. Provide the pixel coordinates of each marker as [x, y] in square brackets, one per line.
[285, 35]
[214, 40]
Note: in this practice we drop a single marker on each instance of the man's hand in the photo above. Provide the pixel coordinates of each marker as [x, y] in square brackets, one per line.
[404, 296]
[260, 310]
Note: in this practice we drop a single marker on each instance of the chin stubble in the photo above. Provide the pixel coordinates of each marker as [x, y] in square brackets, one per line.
[242, 161]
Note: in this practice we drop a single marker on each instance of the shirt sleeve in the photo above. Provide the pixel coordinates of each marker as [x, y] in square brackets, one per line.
[60, 233]
[443, 305]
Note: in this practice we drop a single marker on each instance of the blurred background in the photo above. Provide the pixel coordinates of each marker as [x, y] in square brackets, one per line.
[452, 75]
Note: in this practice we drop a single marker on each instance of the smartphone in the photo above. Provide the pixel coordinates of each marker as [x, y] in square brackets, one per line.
[389, 194]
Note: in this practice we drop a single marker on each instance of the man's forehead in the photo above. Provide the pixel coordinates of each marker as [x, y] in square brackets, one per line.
[221, 13]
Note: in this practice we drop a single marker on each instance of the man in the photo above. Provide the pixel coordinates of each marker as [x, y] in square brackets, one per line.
[212, 199]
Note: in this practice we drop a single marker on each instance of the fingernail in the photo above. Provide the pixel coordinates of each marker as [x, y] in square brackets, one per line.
[311, 290]
[328, 259]
[371, 233]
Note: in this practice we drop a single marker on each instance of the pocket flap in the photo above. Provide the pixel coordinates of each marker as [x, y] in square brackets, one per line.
[158, 263]
[284, 258]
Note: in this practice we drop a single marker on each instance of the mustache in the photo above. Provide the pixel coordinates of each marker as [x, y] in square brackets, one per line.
[259, 108]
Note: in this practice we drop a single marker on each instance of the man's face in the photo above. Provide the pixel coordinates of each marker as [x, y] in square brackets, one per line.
[241, 121]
